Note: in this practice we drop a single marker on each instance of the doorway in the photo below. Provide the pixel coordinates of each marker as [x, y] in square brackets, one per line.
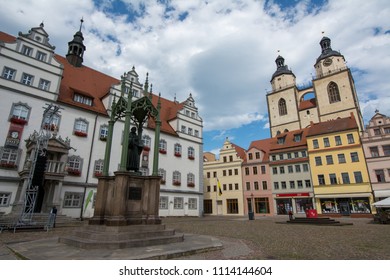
[344, 208]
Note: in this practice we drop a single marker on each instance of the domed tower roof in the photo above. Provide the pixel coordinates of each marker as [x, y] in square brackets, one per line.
[281, 68]
[76, 48]
[326, 48]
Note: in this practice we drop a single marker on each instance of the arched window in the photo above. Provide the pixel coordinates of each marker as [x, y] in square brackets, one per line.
[282, 107]
[333, 93]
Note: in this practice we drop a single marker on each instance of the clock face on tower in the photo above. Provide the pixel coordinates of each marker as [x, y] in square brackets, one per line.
[327, 62]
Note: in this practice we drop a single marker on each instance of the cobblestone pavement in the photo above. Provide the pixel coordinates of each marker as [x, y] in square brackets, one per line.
[263, 238]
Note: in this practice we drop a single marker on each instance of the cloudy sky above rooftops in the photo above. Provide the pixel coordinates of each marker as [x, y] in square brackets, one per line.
[223, 52]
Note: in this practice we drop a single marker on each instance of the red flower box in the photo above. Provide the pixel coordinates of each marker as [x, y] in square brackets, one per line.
[8, 165]
[51, 127]
[80, 133]
[18, 121]
[163, 152]
[162, 182]
[177, 154]
[146, 148]
[190, 185]
[176, 183]
[191, 157]
[98, 174]
[74, 172]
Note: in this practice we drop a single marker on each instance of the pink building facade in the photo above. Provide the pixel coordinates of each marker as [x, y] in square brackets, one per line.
[376, 145]
[257, 179]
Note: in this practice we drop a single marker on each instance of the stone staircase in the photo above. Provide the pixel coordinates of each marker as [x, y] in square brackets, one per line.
[321, 221]
[119, 237]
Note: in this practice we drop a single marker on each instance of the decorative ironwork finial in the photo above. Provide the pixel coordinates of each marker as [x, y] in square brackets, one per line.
[81, 23]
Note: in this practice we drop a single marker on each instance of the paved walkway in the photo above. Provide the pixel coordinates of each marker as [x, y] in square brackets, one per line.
[220, 238]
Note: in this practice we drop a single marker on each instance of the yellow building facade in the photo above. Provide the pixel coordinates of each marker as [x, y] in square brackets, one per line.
[338, 168]
[224, 174]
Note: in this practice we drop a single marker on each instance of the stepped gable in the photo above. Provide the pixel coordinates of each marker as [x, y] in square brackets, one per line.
[240, 151]
[339, 124]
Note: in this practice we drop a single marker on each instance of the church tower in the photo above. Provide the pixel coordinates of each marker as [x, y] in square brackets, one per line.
[330, 95]
[76, 48]
[282, 101]
[334, 86]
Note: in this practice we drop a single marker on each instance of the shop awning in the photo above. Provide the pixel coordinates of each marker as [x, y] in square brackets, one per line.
[382, 203]
[343, 195]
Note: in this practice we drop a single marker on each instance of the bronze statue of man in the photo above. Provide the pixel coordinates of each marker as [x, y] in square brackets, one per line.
[134, 151]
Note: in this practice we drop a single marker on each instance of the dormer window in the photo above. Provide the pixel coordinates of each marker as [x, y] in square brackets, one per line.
[297, 137]
[281, 140]
[82, 99]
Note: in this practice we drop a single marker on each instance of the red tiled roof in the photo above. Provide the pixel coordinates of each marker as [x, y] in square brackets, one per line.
[339, 124]
[86, 81]
[95, 84]
[262, 145]
[168, 113]
[240, 151]
[307, 104]
[6, 37]
[289, 142]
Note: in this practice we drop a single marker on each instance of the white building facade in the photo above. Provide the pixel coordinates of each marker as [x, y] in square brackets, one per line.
[78, 99]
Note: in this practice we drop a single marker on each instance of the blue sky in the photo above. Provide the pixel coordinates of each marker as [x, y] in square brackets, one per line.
[223, 52]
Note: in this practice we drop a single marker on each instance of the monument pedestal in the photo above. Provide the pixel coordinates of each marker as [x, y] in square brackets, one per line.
[127, 199]
[126, 215]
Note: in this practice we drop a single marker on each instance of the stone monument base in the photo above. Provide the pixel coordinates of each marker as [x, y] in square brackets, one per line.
[126, 215]
[119, 237]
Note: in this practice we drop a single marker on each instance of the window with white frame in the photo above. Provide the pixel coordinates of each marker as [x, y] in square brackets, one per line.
[178, 202]
[190, 180]
[177, 150]
[41, 56]
[196, 133]
[81, 127]
[72, 199]
[5, 199]
[163, 202]
[163, 174]
[103, 132]
[20, 111]
[98, 168]
[9, 157]
[9, 73]
[190, 131]
[176, 178]
[191, 153]
[27, 79]
[162, 146]
[44, 84]
[82, 99]
[192, 203]
[183, 129]
[27, 50]
[74, 165]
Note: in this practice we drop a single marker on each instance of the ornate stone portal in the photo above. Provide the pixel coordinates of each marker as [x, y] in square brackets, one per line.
[127, 204]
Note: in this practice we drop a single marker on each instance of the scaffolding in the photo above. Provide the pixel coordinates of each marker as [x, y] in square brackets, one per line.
[41, 140]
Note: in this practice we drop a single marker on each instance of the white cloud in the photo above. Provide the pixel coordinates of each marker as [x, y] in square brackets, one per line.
[223, 52]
